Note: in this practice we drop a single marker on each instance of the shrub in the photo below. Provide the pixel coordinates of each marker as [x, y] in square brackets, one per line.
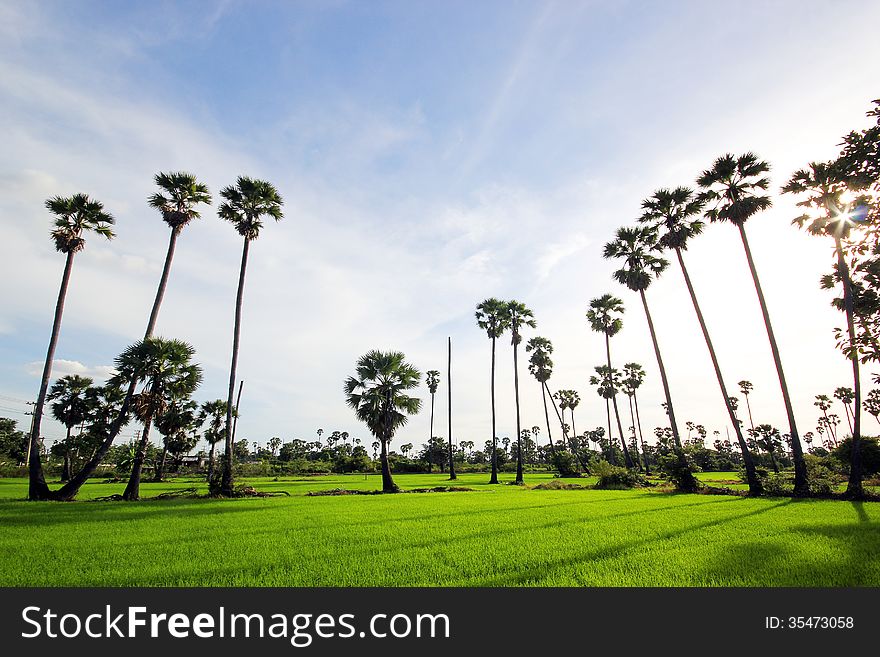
[821, 478]
[679, 469]
[565, 463]
[613, 477]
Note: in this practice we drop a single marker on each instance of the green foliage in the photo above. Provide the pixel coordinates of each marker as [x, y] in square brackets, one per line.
[821, 478]
[616, 478]
[678, 468]
[13, 443]
[565, 463]
[870, 451]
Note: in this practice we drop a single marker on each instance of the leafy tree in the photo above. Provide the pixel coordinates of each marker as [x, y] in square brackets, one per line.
[214, 413]
[635, 248]
[733, 191]
[767, 437]
[377, 393]
[167, 372]
[492, 317]
[541, 367]
[177, 425]
[70, 407]
[675, 215]
[244, 206]
[746, 387]
[13, 443]
[432, 379]
[75, 217]
[518, 315]
[872, 404]
[634, 376]
[829, 215]
[274, 444]
[604, 317]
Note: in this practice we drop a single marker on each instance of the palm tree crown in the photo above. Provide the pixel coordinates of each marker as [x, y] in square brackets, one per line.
[377, 392]
[518, 315]
[732, 188]
[492, 316]
[671, 213]
[635, 246]
[824, 192]
[74, 216]
[432, 378]
[72, 403]
[602, 315]
[181, 192]
[540, 363]
[247, 202]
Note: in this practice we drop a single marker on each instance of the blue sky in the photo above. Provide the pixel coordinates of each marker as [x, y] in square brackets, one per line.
[431, 155]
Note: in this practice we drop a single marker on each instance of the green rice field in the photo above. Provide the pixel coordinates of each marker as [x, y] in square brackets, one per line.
[500, 535]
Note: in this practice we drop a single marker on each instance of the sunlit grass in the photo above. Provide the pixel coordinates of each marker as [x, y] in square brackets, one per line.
[494, 536]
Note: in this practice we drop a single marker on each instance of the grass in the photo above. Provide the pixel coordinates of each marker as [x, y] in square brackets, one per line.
[494, 536]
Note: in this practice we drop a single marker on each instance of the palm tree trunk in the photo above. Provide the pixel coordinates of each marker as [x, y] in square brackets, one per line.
[494, 458]
[431, 437]
[751, 473]
[547, 417]
[854, 488]
[65, 469]
[160, 467]
[37, 488]
[388, 485]
[565, 441]
[163, 282]
[632, 418]
[848, 418]
[519, 465]
[610, 435]
[226, 485]
[801, 487]
[749, 407]
[641, 437]
[211, 461]
[132, 490]
[449, 408]
[626, 456]
[693, 484]
[574, 432]
[773, 461]
[71, 488]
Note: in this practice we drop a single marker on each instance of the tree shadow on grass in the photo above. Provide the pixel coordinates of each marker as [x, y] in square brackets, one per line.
[609, 551]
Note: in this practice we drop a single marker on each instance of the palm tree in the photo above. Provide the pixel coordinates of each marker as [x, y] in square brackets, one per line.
[432, 378]
[492, 317]
[746, 387]
[75, 216]
[167, 371]
[604, 317]
[181, 192]
[872, 404]
[635, 247]
[518, 316]
[178, 420]
[846, 396]
[673, 214]
[835, 218]
[71, 406]
[573, 399]
[378, 396]
[449, 444]
[541, 367]
[823, 402]
[244, 206]
[213, 412]
[634, 376]
[732, 189]
[607, 380]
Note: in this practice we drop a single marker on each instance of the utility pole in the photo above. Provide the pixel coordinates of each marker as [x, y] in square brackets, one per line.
[27, 461]
[449, 392]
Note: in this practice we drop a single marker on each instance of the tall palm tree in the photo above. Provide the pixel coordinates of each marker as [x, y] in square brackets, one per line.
[432, 378]
[518, 315]
[177, 202]
[846, 396]
[377, 393]
[573, 399]
[70, 406]
[733, 191]
[178, 420]
[492, 317]
[674, 214]
[606, 381]
[244, 206]
[165, 367]
[75, 216]
[541, 367]
[746, 387]
[214, 413]
[604, 317]
[635, 247]
[634, 376]
[833, 217]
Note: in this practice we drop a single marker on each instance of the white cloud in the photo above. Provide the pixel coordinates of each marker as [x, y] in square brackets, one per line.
[61, 367]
